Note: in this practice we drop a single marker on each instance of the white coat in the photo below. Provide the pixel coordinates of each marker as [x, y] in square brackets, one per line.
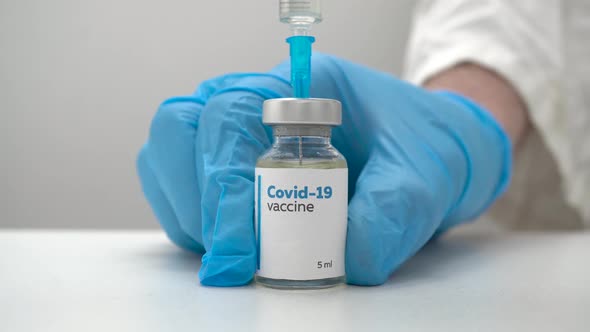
[543, 49]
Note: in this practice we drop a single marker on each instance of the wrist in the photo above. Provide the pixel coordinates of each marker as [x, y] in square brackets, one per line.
[490, 90]
[488, 151]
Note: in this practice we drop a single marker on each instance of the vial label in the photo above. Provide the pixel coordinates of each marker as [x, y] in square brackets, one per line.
[300, 220]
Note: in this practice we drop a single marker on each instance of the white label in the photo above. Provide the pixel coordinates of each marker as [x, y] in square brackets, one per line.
[301, 218]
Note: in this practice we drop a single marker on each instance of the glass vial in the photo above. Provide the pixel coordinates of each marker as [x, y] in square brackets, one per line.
[300, 14]
[301, 197]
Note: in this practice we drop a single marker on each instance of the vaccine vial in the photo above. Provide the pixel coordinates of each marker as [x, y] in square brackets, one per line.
[301, 186]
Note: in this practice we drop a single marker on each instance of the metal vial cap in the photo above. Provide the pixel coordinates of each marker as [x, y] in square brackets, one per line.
[302, 111]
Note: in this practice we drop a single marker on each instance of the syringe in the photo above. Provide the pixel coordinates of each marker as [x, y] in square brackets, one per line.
[300, 15]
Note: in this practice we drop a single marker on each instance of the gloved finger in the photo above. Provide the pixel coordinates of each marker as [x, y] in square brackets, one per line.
[230, 140]
[389, 219]
[238, 81]
[171, 154]
[172, 151]
[161, 206]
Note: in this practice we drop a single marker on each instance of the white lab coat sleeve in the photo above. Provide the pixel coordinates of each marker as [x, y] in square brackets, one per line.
[522, 41]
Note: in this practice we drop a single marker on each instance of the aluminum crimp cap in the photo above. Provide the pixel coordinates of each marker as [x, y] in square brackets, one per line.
[302, 111]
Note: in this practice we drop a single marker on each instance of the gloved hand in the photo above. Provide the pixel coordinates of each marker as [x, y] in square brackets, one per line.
[419, 163]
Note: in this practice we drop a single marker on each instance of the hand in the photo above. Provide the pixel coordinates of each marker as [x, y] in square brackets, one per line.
[419, 162]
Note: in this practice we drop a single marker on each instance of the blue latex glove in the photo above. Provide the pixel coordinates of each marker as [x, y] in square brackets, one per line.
[419, 163]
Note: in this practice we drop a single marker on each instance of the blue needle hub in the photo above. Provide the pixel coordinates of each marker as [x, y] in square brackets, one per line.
[300, 52]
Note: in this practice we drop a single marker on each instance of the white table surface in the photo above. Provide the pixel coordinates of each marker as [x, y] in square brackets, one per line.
[136, 281]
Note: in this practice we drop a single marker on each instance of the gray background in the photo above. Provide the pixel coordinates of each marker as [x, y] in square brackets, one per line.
[80, 81]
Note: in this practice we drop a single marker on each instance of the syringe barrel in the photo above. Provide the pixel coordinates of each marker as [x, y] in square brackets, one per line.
[300, 11]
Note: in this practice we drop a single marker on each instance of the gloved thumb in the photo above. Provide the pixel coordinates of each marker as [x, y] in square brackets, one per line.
[389, 219]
